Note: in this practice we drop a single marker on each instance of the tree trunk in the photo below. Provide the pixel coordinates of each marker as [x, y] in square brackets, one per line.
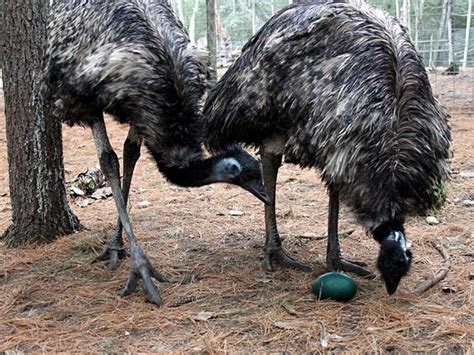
[179, 8]
[450, 33]
[192, 22]
[468, 29]
[419, 7]
[441, 31]
[406, 13]
[211, 39]
[254, 18]
[37, 189]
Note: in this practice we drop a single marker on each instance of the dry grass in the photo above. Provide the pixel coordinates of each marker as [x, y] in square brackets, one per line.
[53, 299]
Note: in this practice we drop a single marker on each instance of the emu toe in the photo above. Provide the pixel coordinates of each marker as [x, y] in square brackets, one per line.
[141, 268]
[113, 255]
[356, 267]
[283, 259]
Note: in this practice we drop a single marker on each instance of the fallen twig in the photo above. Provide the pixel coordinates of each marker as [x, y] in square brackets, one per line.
[440, 275]
[310, 237]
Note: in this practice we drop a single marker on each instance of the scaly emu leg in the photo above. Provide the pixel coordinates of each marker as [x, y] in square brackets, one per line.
[115, 250]
[140, 266]
[273, 250]
[334, 259]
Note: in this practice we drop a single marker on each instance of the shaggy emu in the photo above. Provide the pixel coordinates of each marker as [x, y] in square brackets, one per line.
[340, 88]
[133, 60]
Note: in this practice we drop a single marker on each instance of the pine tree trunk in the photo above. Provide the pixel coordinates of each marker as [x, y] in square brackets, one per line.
[468, 29]
[419, 7]
[211, 39]
[406, 13]
[192, 22]
[37, 189]
[254, 18]
[441, 31]
[450, 33]
[179, 8]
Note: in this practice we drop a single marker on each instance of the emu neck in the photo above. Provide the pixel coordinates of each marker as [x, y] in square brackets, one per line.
[188, 168]
[198, 173]
[383, 231]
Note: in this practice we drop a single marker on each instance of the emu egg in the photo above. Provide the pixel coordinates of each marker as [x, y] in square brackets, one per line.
[335, 286]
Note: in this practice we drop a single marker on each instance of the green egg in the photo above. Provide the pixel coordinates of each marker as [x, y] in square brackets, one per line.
[335, 286]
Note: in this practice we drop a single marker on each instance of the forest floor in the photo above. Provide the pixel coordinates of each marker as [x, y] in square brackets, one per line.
[209, 240]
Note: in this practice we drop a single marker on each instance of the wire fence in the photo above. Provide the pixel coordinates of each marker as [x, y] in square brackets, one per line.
[238, 20]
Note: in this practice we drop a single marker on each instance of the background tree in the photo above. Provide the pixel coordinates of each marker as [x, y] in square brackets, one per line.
[468, 28]
[211, 39]
[37, 189]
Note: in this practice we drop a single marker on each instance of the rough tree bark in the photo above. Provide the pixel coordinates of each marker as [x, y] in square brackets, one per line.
[211, 39]
[37, 189]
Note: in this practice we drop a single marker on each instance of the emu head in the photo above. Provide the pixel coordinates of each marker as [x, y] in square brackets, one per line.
[394, 259]
[238, 167]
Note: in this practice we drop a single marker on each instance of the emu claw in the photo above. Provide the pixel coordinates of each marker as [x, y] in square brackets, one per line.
[349, 266]
[113, 255]
[285, 260]
[141, 268]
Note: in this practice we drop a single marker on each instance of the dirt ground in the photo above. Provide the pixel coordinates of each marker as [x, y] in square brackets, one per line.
[208, 241]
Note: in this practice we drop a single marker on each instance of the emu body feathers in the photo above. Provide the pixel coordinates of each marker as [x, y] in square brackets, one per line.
[340, 88]
[133, 60]
[345, 91]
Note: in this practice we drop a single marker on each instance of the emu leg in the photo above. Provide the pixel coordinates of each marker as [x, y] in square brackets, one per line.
[273, 249]
[140, 266]
[115, 250]
[334, 259]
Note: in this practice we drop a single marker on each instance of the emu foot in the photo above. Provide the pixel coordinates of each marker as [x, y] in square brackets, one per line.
[356, 267]
[114, 255]
[141, 268]
[283, 259]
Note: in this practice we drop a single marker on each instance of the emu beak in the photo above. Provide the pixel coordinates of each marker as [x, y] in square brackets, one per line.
[391, 287]
[258, 190]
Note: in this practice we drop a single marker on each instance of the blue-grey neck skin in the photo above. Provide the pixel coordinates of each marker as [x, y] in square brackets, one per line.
[225, 170]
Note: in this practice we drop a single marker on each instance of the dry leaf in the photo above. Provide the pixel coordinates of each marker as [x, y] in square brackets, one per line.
[204, 316]
[236, 213]
[289, 308]
[143, 204]
[77, 191]
[102, 193]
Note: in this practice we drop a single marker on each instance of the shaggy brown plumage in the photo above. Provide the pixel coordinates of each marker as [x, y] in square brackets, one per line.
[340, 87]
[133, 60]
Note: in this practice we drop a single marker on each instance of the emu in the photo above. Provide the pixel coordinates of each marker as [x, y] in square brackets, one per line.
[341, 88]
[133, 59]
